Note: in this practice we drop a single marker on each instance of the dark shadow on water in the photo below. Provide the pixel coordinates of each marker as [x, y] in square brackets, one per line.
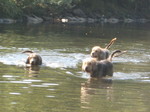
[33, 71]
[96, 88]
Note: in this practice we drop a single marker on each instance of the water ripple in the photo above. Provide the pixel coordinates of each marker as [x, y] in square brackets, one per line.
[61, 58]
[128, 76]
[17, 82]
[15, 93]
[9, 76]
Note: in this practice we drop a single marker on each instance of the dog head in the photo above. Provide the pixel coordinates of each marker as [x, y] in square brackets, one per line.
[96, 51]
[89, 65]
[99, 53]
[33, 59]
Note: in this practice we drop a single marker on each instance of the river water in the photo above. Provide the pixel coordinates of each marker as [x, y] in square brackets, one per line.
[60, 85]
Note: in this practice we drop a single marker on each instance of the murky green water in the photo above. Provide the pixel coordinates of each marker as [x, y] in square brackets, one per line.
[60, 85]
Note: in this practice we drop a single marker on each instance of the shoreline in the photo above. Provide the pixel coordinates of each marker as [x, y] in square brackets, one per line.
[71, 20]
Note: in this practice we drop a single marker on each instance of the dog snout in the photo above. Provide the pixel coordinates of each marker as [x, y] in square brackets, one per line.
[32, 61]
[92, 54]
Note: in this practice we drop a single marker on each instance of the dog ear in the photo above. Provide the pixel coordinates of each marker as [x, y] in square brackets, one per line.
[94, 68]
[101, 55]
[99, 70]
[27, 61]
[39, 60]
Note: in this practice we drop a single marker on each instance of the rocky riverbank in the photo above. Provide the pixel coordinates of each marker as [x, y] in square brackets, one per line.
[76, 16]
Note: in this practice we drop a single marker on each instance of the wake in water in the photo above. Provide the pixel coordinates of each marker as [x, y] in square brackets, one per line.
[58, 59]
[51, 58]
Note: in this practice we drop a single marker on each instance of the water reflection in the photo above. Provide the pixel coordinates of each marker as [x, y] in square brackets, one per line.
[33, 70]
[95, 88]
[60, 84]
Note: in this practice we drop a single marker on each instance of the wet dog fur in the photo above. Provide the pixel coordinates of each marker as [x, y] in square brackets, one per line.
[33, 58]
[101, 68]
[102, 53]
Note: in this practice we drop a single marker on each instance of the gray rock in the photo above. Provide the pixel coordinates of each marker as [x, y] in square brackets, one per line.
[128, 20]
[113, 20]
[76, 20]
[7, 21]
[91, 20]
[34, 19]
[142, 20]
[79, 13]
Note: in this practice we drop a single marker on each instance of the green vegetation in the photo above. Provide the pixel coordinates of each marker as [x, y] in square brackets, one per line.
[54, 8]
[122, 8]
[18, 8]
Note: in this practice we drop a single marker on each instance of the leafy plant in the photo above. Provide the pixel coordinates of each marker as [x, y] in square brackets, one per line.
[18, 8]
[8, 8]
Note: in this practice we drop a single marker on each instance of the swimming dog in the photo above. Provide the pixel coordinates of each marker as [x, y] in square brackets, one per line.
[33, 58]
[100, 68]
[102, 53]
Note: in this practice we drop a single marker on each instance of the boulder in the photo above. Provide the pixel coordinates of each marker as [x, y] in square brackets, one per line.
[76, 20]
[33, 19]
[91, 20]
[128, 20]
[142, 20]
[113, 20]
[7, 21]
[79, 13]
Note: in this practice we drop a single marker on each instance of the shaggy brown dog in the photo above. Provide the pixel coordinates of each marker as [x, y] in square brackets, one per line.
[102, 53]
[33, 58]
[100, 68]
